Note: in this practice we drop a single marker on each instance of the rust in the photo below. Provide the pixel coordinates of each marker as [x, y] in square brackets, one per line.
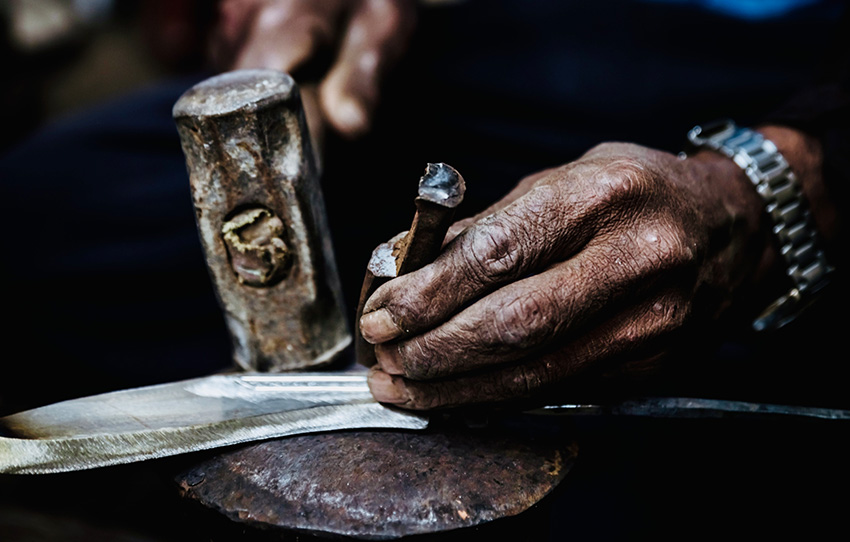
[261, 218]
[440, 192]
[254, 240]
[383, 485]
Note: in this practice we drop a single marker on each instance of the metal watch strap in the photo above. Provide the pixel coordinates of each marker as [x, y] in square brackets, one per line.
[792, 225]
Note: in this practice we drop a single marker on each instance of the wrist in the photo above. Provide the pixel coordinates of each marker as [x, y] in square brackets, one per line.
[805, 157]
[797, 245]
[745, 258]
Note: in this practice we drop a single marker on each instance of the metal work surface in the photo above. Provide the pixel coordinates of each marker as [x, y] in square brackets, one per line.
[382, 484]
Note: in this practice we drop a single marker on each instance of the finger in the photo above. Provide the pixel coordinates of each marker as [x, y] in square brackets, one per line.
[231, 29]
[523, 238]
[592, 199]
[533, 314]
[287, 33]
[374, 40]
[629, 332]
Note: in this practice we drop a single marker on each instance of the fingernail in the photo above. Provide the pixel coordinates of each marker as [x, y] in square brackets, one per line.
[386, 388]
[388, 358]
[378, 326]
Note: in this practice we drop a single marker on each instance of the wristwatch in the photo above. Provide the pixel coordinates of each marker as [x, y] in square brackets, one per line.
[792, 225]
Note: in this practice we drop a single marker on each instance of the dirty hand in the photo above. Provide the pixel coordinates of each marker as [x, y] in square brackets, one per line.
[590, 268]
[367, 37]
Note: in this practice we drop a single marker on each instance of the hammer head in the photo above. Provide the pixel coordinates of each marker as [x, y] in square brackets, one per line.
[261, 217]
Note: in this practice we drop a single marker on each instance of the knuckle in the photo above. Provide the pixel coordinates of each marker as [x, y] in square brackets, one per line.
[493, 251]
[668, 245]
[624, 181]
[525, 321]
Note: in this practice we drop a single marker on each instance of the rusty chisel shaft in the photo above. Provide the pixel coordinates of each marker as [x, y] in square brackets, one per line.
[441, 190]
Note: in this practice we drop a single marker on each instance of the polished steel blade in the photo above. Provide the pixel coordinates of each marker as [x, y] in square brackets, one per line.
[187, 416]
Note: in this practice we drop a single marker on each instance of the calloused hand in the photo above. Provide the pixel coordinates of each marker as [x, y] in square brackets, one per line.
[366, 36]
[597, 267]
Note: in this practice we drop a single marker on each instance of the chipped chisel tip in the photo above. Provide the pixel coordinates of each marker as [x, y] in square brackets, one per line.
[442, 184]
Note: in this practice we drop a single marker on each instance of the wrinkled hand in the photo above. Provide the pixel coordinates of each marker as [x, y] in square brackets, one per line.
[590, 268]
[367, 38]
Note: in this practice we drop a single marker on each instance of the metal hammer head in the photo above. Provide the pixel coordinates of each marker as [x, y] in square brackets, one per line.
[261, 217]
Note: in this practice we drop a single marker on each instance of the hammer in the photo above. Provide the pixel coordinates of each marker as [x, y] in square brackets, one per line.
[261, 218]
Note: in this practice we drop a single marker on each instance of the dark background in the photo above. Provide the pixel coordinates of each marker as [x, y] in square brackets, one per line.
[105, 284]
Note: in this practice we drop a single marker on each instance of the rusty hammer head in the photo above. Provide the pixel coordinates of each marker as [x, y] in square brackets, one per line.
[261, 217]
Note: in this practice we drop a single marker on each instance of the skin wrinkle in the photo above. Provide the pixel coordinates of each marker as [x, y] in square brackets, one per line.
[525, 321]
[447, 347]
[450, 341]
[436, 352]
[421, 352]
[612, 337]
[655, 231]
[498, 259]
[569, 224]
[443, 352]
[410, 303]
[494, 253]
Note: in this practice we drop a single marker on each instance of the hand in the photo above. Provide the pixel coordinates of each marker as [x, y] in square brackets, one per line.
[596, 268]
[369, 36]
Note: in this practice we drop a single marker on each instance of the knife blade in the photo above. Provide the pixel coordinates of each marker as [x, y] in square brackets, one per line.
[186, 416]
[222, 410]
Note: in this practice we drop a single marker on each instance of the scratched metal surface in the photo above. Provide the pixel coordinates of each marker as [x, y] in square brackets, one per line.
[382, 484]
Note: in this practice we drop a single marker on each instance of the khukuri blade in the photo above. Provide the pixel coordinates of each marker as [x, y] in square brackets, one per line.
[187, 416]
[222, 410]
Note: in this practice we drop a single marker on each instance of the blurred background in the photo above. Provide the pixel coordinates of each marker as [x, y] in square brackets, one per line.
[64, 55]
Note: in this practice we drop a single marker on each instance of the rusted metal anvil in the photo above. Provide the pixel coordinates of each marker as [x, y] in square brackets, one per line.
[261, 217]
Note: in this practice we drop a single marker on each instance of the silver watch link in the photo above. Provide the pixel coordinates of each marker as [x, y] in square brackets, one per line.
[792, 225]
